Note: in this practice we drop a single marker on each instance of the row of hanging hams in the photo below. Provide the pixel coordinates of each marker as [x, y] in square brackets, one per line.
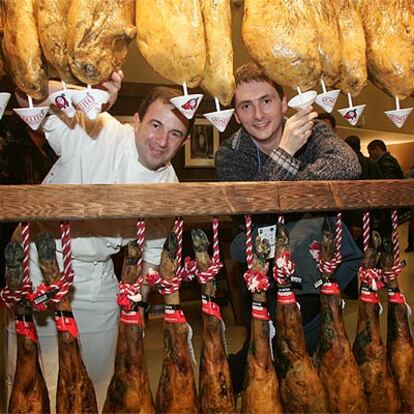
[280, 376]
[81, 40]
[298, 43]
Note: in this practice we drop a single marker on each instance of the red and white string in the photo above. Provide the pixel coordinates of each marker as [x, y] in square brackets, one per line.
[249, 242]
[366, 229]
[129, 293]
[395, 270]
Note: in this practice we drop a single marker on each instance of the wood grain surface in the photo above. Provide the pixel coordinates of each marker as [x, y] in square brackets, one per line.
[83, 202]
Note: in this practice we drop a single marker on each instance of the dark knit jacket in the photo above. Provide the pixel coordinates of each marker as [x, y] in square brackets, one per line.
[323, 157]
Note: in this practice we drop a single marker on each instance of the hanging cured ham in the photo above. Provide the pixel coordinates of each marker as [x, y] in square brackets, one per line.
[29, 393]
[176, 391]
[216, 391]
[218, 77]
[389, 33]
[21, 48]
[280, 37]
[322, 14]
[170, 37]
[400, 345]
[335, 361]
[369, 350]
[129, 390]
[52, 24]
[351, 33]
[261, 389]
[98, 36]
[301, 389]
[75, 392]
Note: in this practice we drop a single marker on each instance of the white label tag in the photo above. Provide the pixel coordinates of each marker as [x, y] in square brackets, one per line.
[269, 233]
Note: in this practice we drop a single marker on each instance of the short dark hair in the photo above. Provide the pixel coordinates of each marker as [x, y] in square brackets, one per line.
[377, 143]
[354, 142]
[325, 116]
[164, 94]
[251, 72]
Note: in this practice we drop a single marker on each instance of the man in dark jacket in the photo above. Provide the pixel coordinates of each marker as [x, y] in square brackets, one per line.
[269, 147]
[389, 166]
[370, 170]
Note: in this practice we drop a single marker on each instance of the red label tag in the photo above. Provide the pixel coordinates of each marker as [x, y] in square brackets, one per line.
[286, 297]
[260, 312]
[131, 318]
[369, 297]
[329, 288]
[210, 308]
[26, 329]
[66, 324]
[174, 316]
[395, 297]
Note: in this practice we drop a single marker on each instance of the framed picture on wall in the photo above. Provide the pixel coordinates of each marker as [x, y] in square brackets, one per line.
[204, 142]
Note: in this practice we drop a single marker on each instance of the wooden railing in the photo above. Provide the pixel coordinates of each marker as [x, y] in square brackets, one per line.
[83, 202]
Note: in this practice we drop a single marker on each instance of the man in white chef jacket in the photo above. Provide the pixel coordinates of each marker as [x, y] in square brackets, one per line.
[104, 151]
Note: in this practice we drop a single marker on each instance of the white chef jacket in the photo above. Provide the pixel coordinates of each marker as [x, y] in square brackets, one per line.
[92, 152]
[101, 152]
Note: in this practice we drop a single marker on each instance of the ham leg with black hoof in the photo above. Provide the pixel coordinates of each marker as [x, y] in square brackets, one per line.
[369, 350]
[261, 388]
[75, 392]
[335, 361]
[400, 346]
[300, 387]
[216, 390]
[129, 390]
[176, 391]
[29, 393]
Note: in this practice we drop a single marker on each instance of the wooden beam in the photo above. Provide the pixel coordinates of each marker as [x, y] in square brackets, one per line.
[83, 202]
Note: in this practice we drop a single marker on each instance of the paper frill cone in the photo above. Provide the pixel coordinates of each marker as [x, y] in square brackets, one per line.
[220, 119]
[4, 100]
[32, 116]
[62, 100]
[327, 100]
[303, 101]
[187, 104]
[90, 101]
[398, 116]
[352, 114]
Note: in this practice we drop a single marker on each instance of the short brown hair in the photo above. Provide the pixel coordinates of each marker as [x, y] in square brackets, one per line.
[251, 72]
[164, 94]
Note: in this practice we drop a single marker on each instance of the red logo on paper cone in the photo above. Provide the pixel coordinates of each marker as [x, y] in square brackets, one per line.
[33, 119]
[86, 103]
[190, 105]
[328, 100]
